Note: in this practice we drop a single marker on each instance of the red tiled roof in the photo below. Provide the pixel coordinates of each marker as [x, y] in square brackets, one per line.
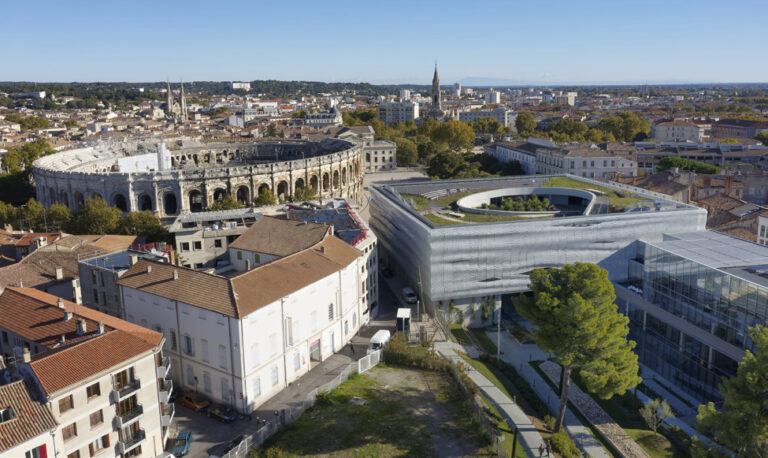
[31, 417]
[26, 239]
[36, 316]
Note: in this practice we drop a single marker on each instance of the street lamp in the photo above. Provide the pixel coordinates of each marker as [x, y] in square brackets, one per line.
[195, 383]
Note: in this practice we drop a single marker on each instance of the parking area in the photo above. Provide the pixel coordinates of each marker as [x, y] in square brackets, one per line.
[211, 437]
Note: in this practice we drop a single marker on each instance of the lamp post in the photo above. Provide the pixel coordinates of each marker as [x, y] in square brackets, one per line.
[195, 383]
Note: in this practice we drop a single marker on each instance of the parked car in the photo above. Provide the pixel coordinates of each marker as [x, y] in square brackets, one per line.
[195, 401]
[223, 414]
[410, 295]
[181, 446]
[234, 443]
[378, 341]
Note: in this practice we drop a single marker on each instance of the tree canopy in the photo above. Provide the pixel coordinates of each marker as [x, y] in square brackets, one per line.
[487, 125]
[525, 123]
[456, 134]
[576, 319]
[668, 162]
[266, 197]
[226, 203]
[742, 423]
[303, 193]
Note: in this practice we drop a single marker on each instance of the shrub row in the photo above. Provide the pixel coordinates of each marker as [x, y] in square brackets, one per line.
[522, 386]
[564, 445]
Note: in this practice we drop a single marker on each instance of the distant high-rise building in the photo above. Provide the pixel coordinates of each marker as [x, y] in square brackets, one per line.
[405, 94]
[243, 86]
[457, 89]
[390, 112]
[493, 97]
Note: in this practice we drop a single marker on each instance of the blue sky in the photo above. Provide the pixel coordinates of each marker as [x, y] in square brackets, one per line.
[386, 41]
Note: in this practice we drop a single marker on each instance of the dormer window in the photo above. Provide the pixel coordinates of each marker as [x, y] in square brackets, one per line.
[6, 415]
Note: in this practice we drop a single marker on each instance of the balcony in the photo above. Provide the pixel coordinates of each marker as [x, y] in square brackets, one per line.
[126, 446]
[130, 416]
[126, 390]
[164, 367]
[167, 415]
[166, 390]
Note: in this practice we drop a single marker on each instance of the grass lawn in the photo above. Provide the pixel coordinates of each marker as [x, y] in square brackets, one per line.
[618, 200]
[486, 344]
[475, 218]
[419, 203]
[407, 412]
[461, 335]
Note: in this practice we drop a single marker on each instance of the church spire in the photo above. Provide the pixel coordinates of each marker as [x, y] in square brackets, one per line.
[183, 104]
[169, 99]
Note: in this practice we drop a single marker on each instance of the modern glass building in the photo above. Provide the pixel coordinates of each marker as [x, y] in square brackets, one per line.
[691, 299]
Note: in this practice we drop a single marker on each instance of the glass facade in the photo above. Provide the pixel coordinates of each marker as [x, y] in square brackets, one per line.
[719, 303]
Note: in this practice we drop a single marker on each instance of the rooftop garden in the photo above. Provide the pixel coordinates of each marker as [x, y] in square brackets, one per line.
[617, 200]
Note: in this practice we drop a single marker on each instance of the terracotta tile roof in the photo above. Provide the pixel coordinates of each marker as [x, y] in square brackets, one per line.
[193, 287]
[245, 292]
[69, 365]
[265, 284]
[37, 316]
[31, 417]
[279, 236]
[26, 239]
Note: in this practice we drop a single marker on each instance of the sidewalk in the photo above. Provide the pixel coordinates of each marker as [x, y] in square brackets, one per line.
[528, 436]
[519, 356]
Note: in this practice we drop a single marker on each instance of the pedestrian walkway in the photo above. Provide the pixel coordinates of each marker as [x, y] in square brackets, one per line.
[528, 435]
[519, 356]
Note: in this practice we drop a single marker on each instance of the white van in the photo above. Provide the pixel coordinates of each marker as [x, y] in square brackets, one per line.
[379, 340]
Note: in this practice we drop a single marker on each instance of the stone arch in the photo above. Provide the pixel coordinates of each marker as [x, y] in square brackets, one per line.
[196, 158]
[357, 168]
[262, 187]
[335, 179]
[119, 201]
[299, 183]
[344, 176]
[219, 194]
[313, 183]
[51, 196]
[145, 202]
[326, 181]
[196, 203]
[243, 195]
[64, 198]
[282, 189]
[96, 195]
[170, 204]
[79, 199]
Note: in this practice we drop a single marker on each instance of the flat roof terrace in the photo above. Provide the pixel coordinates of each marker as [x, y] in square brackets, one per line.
[435, 202]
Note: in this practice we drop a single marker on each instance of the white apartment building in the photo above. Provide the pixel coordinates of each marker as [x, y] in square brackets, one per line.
[493, 97]
[238, 85]
[324, 118]
[565, 98]
[380, 155]
[242, 338]
[505, 117]
[507, 152]
[104, 379]
[391, 112]
[588, 162]
[679, 130]
[405, 94]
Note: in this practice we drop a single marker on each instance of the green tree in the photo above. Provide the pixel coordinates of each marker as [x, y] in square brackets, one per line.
[626, 127]
[577, 321]
[407, 152]
[266, 197]
[654, 413]
[58, 216]
[226, 203]
[668, 162]
[29, 122]
[32, 216]
[456, 134]
[144, 223]
[445, 165]
[303, 193]
[487, 125]
[70, 123]
[20, 160]
[96, 217]
[525, 123]
[762, 137]
[8, 214]
[271, 130]
[742, 424]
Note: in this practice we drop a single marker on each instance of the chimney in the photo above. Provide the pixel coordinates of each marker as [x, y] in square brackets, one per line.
[67, 315]
[101, 327]
[149, 268]
[134, 258]
[175, 274]
[322, 249]
[247, 264]
[60, 303]
[21, 283]
[26, 356]
[63, 340]
[59, 273]
[82, 327]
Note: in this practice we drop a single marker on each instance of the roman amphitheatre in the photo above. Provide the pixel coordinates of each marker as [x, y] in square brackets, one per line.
[186, 176]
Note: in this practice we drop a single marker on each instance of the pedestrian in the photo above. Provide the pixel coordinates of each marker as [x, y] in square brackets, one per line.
[541, 450]
[352, 347]
[549, 448]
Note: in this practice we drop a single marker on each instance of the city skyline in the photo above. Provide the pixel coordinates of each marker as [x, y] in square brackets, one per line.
[489, 44]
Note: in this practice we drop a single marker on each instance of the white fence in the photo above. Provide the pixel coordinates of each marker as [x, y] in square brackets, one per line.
[257, 438]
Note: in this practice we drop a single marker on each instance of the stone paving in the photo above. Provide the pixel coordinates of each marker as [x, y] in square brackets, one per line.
[596, 415]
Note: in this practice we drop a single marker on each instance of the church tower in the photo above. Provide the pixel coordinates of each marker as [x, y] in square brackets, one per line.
[168, 99]
[436, 111]
[183, 104]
